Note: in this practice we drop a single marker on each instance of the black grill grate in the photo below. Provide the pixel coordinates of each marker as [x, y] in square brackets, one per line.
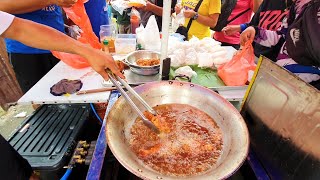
[51, 134]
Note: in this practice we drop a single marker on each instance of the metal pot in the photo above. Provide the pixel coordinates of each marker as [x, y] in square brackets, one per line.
[142, 70]
[235, 132]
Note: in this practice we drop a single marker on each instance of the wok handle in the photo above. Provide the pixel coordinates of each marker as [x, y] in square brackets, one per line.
[136, 95]
[129, 100]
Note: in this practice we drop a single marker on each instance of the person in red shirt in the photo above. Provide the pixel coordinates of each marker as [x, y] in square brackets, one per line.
[268, 16]
[241, 13]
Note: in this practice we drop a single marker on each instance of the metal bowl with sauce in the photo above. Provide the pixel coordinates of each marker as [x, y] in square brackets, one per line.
[143, 70]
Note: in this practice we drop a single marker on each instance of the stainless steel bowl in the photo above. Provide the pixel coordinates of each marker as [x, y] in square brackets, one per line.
[143, 70]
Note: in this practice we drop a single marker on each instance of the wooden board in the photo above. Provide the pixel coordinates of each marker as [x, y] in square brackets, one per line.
[10, 90]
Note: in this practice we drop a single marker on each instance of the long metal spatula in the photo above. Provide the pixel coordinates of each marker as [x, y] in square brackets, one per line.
[148, 123]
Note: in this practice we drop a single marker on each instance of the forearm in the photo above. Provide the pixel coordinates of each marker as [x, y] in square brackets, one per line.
[42, 37]
[208, 21]
[156, 9]
[23, 6]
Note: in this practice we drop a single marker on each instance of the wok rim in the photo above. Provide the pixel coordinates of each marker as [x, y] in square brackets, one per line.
[140, 175]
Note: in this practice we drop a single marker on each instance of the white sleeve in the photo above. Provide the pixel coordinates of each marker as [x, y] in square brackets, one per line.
[5, 21]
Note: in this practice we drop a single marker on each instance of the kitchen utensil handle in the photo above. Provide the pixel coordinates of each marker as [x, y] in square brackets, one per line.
[90, 91]
[126, 96]
[136, 95]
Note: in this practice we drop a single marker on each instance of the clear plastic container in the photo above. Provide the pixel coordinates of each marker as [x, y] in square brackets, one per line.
[108, 32]
[125, 43]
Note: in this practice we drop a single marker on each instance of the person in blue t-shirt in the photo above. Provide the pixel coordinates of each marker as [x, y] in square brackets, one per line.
[31, 64]
[97, 11]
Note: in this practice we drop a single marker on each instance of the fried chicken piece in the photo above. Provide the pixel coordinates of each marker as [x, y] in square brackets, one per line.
[161, 125]
[122, 66]
[147, 152]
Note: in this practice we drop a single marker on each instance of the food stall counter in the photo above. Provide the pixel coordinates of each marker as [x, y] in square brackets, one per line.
[40, 93]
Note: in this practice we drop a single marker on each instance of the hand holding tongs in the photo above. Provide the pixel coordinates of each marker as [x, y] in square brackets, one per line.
[146, 121]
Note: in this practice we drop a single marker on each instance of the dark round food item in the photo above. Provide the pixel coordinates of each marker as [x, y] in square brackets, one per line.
[66, 86]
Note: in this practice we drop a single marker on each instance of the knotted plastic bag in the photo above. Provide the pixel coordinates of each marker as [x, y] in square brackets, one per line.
[235, 72]
[78, 15]
[178, 21]
[120, 5]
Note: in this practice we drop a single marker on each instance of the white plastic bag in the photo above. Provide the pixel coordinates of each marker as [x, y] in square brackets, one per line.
[204, 53]
[191, 56]
[217, 54]
[218, 61]
[140, 36]
[178, 21]
[194, 40]
[219, 57]
[152, 35]
[135, 12]
[178, 58]
[120, 5]
[186, 71]
[74, 31]
[205, 60]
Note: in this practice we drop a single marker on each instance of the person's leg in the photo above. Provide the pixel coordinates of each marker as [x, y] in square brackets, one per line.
[12, 164]
[121, 29]
[30, 68]
[124, 29]
[23, 69]
[51, 63]
[127, 28]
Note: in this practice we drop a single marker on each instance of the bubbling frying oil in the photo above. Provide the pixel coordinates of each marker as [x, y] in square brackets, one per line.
[190, 141]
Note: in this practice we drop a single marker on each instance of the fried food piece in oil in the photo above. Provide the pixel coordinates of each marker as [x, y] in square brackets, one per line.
[156, 120]
[147, 152]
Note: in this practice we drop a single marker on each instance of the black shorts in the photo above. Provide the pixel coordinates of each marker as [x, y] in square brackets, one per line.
[12, 165]
[316, 84]
[30, 68]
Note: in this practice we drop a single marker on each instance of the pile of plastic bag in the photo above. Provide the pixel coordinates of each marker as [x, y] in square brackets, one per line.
[204, 53]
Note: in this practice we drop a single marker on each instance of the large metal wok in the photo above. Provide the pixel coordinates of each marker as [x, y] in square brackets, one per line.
[235, 132]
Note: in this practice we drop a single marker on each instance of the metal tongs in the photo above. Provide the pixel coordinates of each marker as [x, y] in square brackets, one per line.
[114, 78]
